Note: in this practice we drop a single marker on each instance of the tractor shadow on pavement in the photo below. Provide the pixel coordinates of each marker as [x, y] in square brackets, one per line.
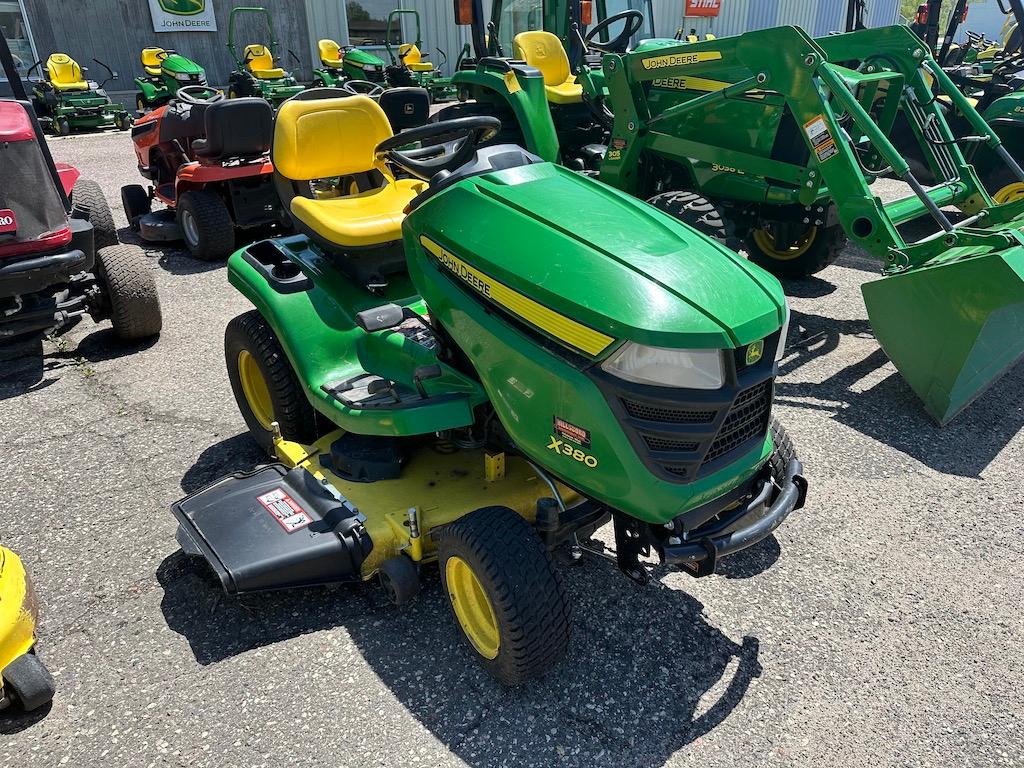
[872, 398]
[645, 673]
[24, 367]
[16, 720]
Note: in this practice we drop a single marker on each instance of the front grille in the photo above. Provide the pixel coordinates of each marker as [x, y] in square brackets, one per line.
[747, 419]
[656, 443]
[646, 412]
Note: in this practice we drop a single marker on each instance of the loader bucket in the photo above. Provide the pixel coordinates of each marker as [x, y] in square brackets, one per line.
[951, 328]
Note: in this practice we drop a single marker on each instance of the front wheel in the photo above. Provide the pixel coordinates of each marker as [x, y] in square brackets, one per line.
[809, 251]
[122, 121]
[88, 202]
[264, 384]
[130, 292]
[783, 451]
[206, 225]
[61, 127]
[1003, 184]
[136, 203]
[505, 593]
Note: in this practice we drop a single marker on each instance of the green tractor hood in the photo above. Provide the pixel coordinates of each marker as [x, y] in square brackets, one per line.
[603, 259]
[176, 64]
[361, 58]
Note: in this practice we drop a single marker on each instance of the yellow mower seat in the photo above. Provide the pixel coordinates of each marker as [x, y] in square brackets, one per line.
[260, 62]
[151, 60]
[330, 53]
[64, 73]
[329, 138]
[545, 52]
[413, 59]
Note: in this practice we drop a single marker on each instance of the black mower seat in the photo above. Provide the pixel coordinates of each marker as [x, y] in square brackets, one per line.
[407, 107]
[236, 128]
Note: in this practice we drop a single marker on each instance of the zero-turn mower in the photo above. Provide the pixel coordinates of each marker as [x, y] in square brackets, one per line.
[65, 101]
[257, 69]
[409, 66]
[165, 71]
[24, 681]
[207, 160]
[340, 64]
[447, 372]
[59, 255]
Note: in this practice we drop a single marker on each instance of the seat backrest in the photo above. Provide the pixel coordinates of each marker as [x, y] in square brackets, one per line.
[62, 69]
[406, 107]
[330, 52]
[151, 59]
[544, 51]
[323, 138]
[410, 54]
[238, 128]
[258, 56]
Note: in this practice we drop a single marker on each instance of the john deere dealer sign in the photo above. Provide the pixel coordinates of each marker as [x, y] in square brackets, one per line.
[183, 15]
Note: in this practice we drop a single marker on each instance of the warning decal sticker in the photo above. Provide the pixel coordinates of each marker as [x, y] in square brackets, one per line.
[285, 510]
[821, 140]
[571, 432]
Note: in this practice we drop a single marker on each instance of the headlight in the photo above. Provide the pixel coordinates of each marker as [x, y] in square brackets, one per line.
[370, 67]
[782, 337]
[687, 368]
[183, 76]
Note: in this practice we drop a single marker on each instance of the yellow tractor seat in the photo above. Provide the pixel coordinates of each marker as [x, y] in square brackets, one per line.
[151, 60]
[413, 59]
[336, 137]
[64, 73]
[330, 53]
[260, 62]
[545, 52]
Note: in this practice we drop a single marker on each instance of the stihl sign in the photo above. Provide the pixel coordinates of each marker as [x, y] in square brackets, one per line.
[703, 7]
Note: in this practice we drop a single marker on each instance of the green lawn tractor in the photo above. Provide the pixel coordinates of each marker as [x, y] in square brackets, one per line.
[409, 67]
[257, 71]
[449, 372]
[783, 135]
[342, 64]
[165, 72]
[65, 101]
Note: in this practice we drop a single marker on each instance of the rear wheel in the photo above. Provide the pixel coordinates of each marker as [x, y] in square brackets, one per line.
[264, 384]
[130, 292]
[505, 593]
[89, 203]
[813, 249]
[136, 203]
[122, 121]
[206, 225]
[700, 214]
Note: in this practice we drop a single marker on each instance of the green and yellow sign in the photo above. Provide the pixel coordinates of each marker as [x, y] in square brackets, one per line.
[183, 16]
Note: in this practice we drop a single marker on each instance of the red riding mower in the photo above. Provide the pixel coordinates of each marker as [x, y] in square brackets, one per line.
[208, 162]
[59, 255]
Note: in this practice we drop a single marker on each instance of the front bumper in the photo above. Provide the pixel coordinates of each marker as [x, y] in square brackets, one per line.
[753, 522]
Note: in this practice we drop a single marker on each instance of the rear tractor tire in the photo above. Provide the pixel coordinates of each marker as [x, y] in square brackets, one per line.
[505, 593]
[130, 292]
[88, 203]
[206, 225]
[264, 384]
[811, 252]
[700, 214]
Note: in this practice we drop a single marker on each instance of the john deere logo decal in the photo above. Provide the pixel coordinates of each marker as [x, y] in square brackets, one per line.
[183, 7]
[754, 352]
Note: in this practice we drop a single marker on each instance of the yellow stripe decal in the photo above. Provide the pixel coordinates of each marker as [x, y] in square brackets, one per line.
[680, 59]
[564, 329]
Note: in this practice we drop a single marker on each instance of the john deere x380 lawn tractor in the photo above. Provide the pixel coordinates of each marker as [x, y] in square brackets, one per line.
[449, 371]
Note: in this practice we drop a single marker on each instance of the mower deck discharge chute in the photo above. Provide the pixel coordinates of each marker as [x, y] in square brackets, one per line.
[498, 382]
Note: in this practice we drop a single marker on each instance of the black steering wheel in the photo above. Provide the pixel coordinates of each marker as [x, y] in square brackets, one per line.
[364, 87]
[459, 139]
[620, 43]
[198, 95]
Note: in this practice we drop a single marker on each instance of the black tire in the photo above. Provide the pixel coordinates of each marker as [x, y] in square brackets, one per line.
[1003, 184]
[88, 203]
[400, 579]
[130, 292]
[291, 410]
[136, 203]
[29, 681]
[140, 103]
[122, 122]
[213, 236]
[700, 214]
[783, 451]
[61, 127]
[521, 584]
[824, 247]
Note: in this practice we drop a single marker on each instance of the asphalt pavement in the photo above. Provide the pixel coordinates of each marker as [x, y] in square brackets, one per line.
[881, 626]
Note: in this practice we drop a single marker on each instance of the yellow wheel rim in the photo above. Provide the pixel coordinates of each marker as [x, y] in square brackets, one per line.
[765, 240]
[254, 387]
[1009, 193]
[472, 608]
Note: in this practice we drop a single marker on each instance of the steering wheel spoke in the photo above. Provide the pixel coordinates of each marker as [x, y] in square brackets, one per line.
[455, 143]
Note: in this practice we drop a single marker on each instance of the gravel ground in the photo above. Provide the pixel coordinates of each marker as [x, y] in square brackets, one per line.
[881, 626]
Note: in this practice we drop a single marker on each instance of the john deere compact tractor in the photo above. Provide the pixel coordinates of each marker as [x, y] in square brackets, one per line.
[165, 71]
[449, 373]
[65, 101]
[257, 68]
